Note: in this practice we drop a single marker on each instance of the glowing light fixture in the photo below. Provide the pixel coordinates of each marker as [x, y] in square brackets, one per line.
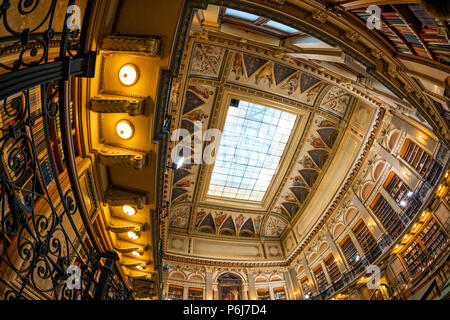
[135, 253]
[129, 210]
[357, 258]
[124, 129]
[128, 75]
[139, 267]
[132, 235]
[403, 203]
[409, 194]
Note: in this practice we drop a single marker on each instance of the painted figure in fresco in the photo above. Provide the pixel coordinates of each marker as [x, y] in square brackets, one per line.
[182, 198]
[317, 143]
[298, 181]
[325, 123]
[239, 221]
[311, 94]
[237, 68]
[201, 91]
[265, 74]
[220, 218]
[197, 115]
[290, 198]
[291, 85]
[185, 183]
[307, 162]
[198, 218]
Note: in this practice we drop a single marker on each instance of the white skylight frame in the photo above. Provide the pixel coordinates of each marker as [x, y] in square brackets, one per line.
[280, 27]
[268, 131]
[241, 14]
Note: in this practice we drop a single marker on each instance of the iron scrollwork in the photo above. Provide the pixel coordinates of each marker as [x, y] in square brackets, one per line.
[46, 250]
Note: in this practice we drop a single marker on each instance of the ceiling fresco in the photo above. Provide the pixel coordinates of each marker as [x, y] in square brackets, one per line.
[209, 70]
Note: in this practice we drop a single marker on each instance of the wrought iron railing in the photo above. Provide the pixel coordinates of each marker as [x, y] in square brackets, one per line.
[47, 247]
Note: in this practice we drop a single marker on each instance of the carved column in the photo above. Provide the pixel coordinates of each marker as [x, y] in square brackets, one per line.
[309, 275]
[251, 286]
[376, 228]
[209, 285]
[337, 254]
[185, 293]
[120, 104]
[356, 244]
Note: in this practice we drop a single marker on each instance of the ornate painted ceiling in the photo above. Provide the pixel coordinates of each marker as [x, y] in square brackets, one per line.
[213, 74]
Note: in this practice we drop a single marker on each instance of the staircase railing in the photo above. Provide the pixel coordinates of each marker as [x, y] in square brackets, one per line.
[48, 249]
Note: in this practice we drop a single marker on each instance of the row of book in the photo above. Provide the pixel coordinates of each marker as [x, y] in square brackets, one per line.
[418, 158]
[428, 32]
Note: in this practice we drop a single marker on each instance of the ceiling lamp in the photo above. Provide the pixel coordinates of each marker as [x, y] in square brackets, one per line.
[124, 129]
[133, 235]
[128, 74]
[129, 210]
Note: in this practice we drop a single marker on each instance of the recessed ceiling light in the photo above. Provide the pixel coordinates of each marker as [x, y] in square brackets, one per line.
[128, 74]
[132, 235]
[129, 210]
[124, 129]
[135, 253]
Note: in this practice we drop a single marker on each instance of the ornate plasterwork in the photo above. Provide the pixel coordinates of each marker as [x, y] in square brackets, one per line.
[147, 46]
[210, 68]
[119, 197]
[119, 104]
[111, 155]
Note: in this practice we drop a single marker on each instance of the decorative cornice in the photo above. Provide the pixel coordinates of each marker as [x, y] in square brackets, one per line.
[147, 46]
[119, 197]
[111, 155]
[119, 104]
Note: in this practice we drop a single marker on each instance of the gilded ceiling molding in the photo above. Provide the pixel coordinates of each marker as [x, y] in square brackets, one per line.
[138, 249]
[116, 156]
[119, 197]
[333, 32]
[122, 228]
[233, 264]
[345, 188]
[149, 46]
[118, 104]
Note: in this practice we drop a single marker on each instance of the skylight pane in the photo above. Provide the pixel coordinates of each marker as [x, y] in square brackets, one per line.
[240, 14]
[280, 26]
[253, 140]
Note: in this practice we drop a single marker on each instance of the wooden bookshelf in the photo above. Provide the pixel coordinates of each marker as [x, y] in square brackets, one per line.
[332, 268]
[387, 216]
[195, 294]
[397, 188]
[321, 279]
[350, 252]
[175, 292]
[433, 237]
[304, 283]
[279, 293]
[414, 257]
[364, 237]
[263, 294]
[416, 157]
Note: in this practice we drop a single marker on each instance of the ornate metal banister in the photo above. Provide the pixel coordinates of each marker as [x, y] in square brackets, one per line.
[48, 249]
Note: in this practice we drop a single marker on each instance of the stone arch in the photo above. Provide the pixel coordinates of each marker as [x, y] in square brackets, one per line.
[350, 214]
[338, 229]
[378, 169]
[177, 275]
[365, 190]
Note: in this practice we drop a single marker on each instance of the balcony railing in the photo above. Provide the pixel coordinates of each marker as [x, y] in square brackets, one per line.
[48, 249]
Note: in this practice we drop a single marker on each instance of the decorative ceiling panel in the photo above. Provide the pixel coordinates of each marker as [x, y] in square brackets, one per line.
[214, 72]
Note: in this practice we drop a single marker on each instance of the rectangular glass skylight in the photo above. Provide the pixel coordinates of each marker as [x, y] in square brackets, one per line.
[240, 14]
[280, 26]
[252, 144]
